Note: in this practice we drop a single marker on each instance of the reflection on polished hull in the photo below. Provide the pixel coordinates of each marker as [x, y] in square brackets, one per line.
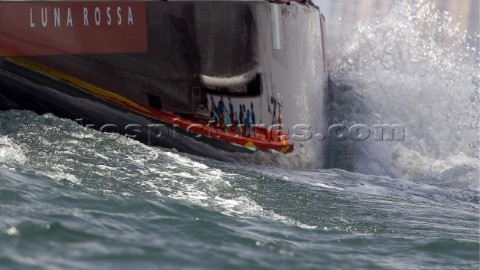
[222, 78]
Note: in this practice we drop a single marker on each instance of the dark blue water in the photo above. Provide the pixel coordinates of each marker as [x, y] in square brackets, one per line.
[75, 198]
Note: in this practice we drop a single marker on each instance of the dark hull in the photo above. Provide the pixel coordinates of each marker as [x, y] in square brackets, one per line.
[196, 54]
[42, 95]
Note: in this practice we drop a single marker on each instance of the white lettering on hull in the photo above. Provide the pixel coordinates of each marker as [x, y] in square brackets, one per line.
[119, 9]
[32, 24]
[44, 17]
[85, 17]
[109, 16]
[55, 17]
[130, 16]
[69, 17]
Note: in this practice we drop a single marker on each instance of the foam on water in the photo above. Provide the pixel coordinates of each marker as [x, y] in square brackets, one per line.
[10, 152]
[113, 165]
[212, 188]
[414, 68]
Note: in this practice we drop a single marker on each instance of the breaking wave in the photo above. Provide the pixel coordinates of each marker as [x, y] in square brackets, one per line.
[109, 164]
[413, 68]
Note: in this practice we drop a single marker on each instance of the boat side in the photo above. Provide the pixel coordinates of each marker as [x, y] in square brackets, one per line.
[251, 65]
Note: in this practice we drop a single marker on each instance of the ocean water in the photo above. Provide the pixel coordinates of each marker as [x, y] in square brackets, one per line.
[75, 198]
[71, 197]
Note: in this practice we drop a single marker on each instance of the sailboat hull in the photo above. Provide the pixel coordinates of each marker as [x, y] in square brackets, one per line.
[253, 63]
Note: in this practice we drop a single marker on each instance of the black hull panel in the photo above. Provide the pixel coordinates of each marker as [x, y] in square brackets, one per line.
[44, 95]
